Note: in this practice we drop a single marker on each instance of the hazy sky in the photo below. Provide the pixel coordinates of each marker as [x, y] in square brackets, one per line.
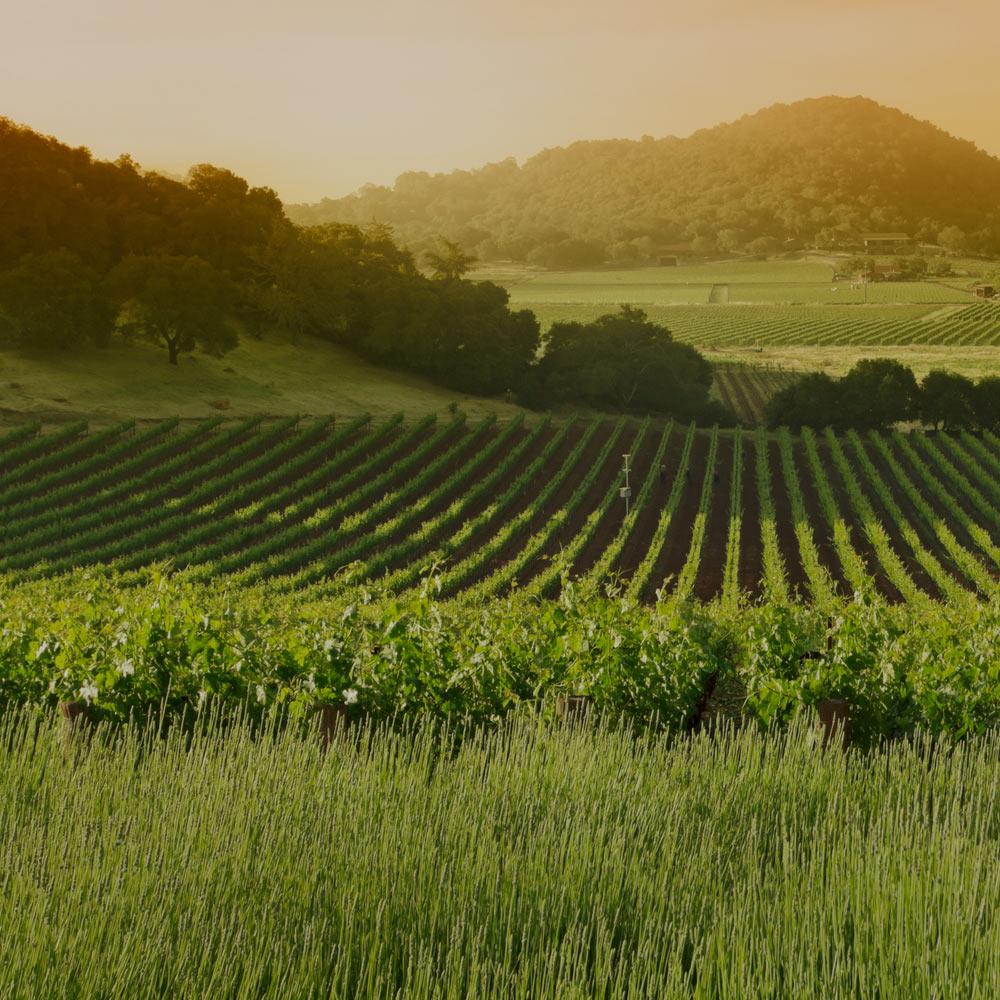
[316, 97]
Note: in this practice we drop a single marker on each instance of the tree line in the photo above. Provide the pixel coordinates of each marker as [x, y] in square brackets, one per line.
[92, 251]
[93, 254]
[817, 172]
[623, 361]
[877, 393]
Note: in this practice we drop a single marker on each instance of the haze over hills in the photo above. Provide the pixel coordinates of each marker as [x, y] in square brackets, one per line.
[819, 170]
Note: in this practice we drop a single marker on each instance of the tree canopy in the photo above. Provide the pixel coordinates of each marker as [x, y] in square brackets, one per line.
[623, 361]
[877, 393]
[89, 248]
[178, 302]
[449, 262]
[823, 170]
[947, 400]
[53, 301]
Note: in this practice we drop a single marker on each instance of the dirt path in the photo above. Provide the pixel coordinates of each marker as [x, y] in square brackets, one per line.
[638, 543]
[968, 464]
[448, 496]
[673, 555]
[863, 547]
[899, 544]
[751, 545]
[557, 500]
[712, 565]
[822, 532]
[564, 533]
[610, 524]
[924, 532]
[958, 495]
[528, 456]
[397, 479]
[788, 542]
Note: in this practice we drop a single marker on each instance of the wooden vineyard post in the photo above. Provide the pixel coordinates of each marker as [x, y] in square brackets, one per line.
[699, 716]
[835, 722]
[76, 722]
[574, 709]
[333, 721]
[834, 713]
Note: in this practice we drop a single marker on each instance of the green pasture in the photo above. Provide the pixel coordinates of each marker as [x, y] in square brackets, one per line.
[271, 376]
[975, 362]
[533, 862]
[540, 295]
[712, 273]
[543, 293]
[842, 293]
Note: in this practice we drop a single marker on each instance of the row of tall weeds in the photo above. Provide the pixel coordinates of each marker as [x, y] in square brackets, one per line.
[530, 860]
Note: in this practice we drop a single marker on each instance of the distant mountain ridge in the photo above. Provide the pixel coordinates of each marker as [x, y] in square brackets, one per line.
[818, 170]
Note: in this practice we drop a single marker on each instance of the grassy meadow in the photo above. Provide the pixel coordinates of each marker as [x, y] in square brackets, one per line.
[974, 362]
[269, 376]
[810, 270]
[536, 861]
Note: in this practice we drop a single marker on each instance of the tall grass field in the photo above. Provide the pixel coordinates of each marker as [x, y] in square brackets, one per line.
[535, 861]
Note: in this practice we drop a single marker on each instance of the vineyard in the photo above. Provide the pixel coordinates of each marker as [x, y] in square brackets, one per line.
[860, 326]
[745, 390]
[471, 646]
[741, 304]
[496, 506]
[976, 325]
[487, 584]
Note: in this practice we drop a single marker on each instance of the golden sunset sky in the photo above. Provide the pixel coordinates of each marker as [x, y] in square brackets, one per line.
[316, 98]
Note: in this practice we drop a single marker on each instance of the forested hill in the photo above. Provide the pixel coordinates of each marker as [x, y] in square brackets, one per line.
[95, 255]
[816, 170]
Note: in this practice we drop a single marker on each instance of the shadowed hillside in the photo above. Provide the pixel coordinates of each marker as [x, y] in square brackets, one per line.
[817, 170]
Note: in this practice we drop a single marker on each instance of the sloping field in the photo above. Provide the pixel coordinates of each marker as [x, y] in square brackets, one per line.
[886, 293]
[716, 272]
[753, 304]
[502, 504]
[859, 326]
[268, 376]
[746, 390]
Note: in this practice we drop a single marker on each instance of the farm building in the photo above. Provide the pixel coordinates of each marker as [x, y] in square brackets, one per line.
[886, 242]
[984, 291]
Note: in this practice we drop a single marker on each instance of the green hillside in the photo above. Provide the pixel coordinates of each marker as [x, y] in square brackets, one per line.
[260, 376]
[818, 169]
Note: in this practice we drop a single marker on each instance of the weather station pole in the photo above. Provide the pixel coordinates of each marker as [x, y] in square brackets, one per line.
[626, 490]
